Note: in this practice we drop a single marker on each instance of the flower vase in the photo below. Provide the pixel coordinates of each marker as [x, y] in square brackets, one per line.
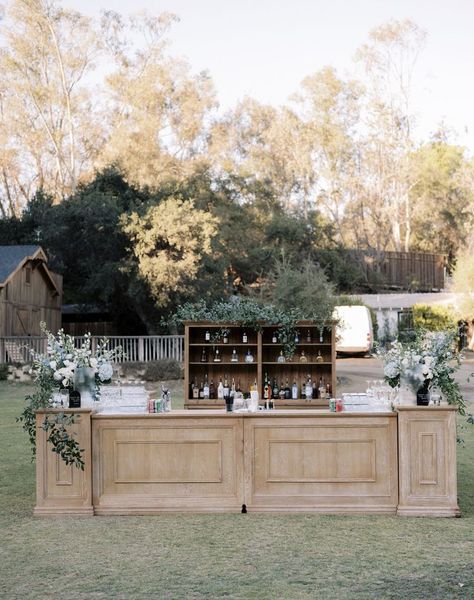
[407, 391]
[84, 383]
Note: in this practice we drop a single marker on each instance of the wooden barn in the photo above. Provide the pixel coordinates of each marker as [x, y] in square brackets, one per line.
[29, 292]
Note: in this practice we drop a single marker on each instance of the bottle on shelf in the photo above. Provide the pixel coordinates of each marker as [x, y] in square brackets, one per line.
[282, 393]
[287, 391]
[275, 389]
[315, 390]
[225, 337]
[274, 337]
[226, 386]
[297, 337]
[204, 355]
[245, 338]
[309, 388]
[212, 391]
[328, 390]
[308, 337]
[322, 389]
[319, 358]
[281, 357]
[201, 390]
[303, 357]
[266, 388]
[220, 389]
[321, 335]
[232, 388]
[207, 336]
[191, 388]
[294, 390]
[249, 356]
[234, 356]
[217, 356]
[205, 388]
[303, 390]
[238, 389]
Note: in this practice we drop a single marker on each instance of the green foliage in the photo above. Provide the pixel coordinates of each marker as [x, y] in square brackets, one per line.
[433, 317]
[3, 371]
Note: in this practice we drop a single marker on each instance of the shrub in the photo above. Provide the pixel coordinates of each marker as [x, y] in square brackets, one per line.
[434, 318]
[3, 372]
[163, 370]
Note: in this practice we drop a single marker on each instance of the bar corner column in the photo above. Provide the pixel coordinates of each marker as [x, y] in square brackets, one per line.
[427, 461]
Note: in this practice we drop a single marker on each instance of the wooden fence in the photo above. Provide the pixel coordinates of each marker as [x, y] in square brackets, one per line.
[137, 348]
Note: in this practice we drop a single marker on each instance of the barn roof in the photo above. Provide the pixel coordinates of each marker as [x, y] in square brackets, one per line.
[12, 258]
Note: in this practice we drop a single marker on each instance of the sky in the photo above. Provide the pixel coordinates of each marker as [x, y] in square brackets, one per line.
[265, 48]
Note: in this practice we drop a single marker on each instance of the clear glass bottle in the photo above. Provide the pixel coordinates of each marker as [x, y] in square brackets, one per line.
[234, 356]
[294, 391]
[309, 388]
[217, 355]
[319, 358]
[249, 356]
[303, 357]
[281, 357]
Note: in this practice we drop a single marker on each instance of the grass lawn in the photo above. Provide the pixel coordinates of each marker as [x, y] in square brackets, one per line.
[248, 556]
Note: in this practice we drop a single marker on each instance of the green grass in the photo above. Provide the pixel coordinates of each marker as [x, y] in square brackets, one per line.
[224, 556]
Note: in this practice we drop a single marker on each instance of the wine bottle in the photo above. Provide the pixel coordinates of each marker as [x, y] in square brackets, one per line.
[205, 388]
[220, 389]
[294, 391]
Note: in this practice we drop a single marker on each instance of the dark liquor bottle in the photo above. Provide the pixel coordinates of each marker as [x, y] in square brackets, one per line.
[201, 390]
[226, 386]
[212, 391]
[266, 388]
[74, 399]
[423, 394]
[303, 390]
[282, 393]
[315, 390]
[275, 389]
[287, 391]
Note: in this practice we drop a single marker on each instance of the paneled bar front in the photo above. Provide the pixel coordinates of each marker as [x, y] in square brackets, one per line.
[302, 460]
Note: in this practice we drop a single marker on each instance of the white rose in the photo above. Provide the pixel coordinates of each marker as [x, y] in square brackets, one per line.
[57, 376]
[105, 372]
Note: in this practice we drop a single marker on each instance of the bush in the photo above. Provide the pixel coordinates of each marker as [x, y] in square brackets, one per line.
[3, 371]
[434, 318]
[163, 370]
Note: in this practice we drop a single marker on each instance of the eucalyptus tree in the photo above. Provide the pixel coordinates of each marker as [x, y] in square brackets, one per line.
[389, 60]
[157, 109]
[47, 125]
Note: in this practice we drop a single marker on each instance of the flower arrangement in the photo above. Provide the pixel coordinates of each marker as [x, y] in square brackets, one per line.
[58, 369]
[429, 359]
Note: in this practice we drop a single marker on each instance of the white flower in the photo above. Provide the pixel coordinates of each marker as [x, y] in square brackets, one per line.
[57, 376]
[391, 370]
[53, 364]
[94, 362]
[105, 372]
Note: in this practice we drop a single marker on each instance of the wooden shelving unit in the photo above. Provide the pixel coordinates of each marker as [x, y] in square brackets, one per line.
[265, 360]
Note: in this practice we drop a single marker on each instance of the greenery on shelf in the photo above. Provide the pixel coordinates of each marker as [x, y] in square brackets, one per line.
[250, 313]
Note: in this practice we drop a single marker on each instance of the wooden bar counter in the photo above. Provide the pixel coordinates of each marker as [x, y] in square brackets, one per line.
[283, 461]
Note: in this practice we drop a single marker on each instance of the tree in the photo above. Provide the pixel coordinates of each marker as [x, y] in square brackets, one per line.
[158, 113]
[47, 125]
[169, 242]
[389, 60]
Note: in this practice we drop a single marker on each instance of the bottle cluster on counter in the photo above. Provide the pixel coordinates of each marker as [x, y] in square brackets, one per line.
[308, 389]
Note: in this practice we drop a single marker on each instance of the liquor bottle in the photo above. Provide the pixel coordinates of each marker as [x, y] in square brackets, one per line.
[245, 338]
[322, 389]
[234, 357]
[74, 399]
[274, 338]
[232, 388]
[212, 391]
[321, 336]
[287, 391]
[308, 336]
[328, 390]
[315, 390]
[281, 357]
[205, 388]
[266, 388]
[303, 390]
[196, 391]
[220, 389]
[282, 392]
[201, 390]
[249, 356]
[297, 337]
[275, 389]
[319, 358]
[303, 357]
[309, 388]
[294, 391]
[225, 338]
[191, 388]
[226, 386]
[217, 356]
[204, 355]
[207, 336]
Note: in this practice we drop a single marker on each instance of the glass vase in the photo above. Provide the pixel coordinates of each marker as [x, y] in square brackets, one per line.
[84, 383]
[407, 390]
